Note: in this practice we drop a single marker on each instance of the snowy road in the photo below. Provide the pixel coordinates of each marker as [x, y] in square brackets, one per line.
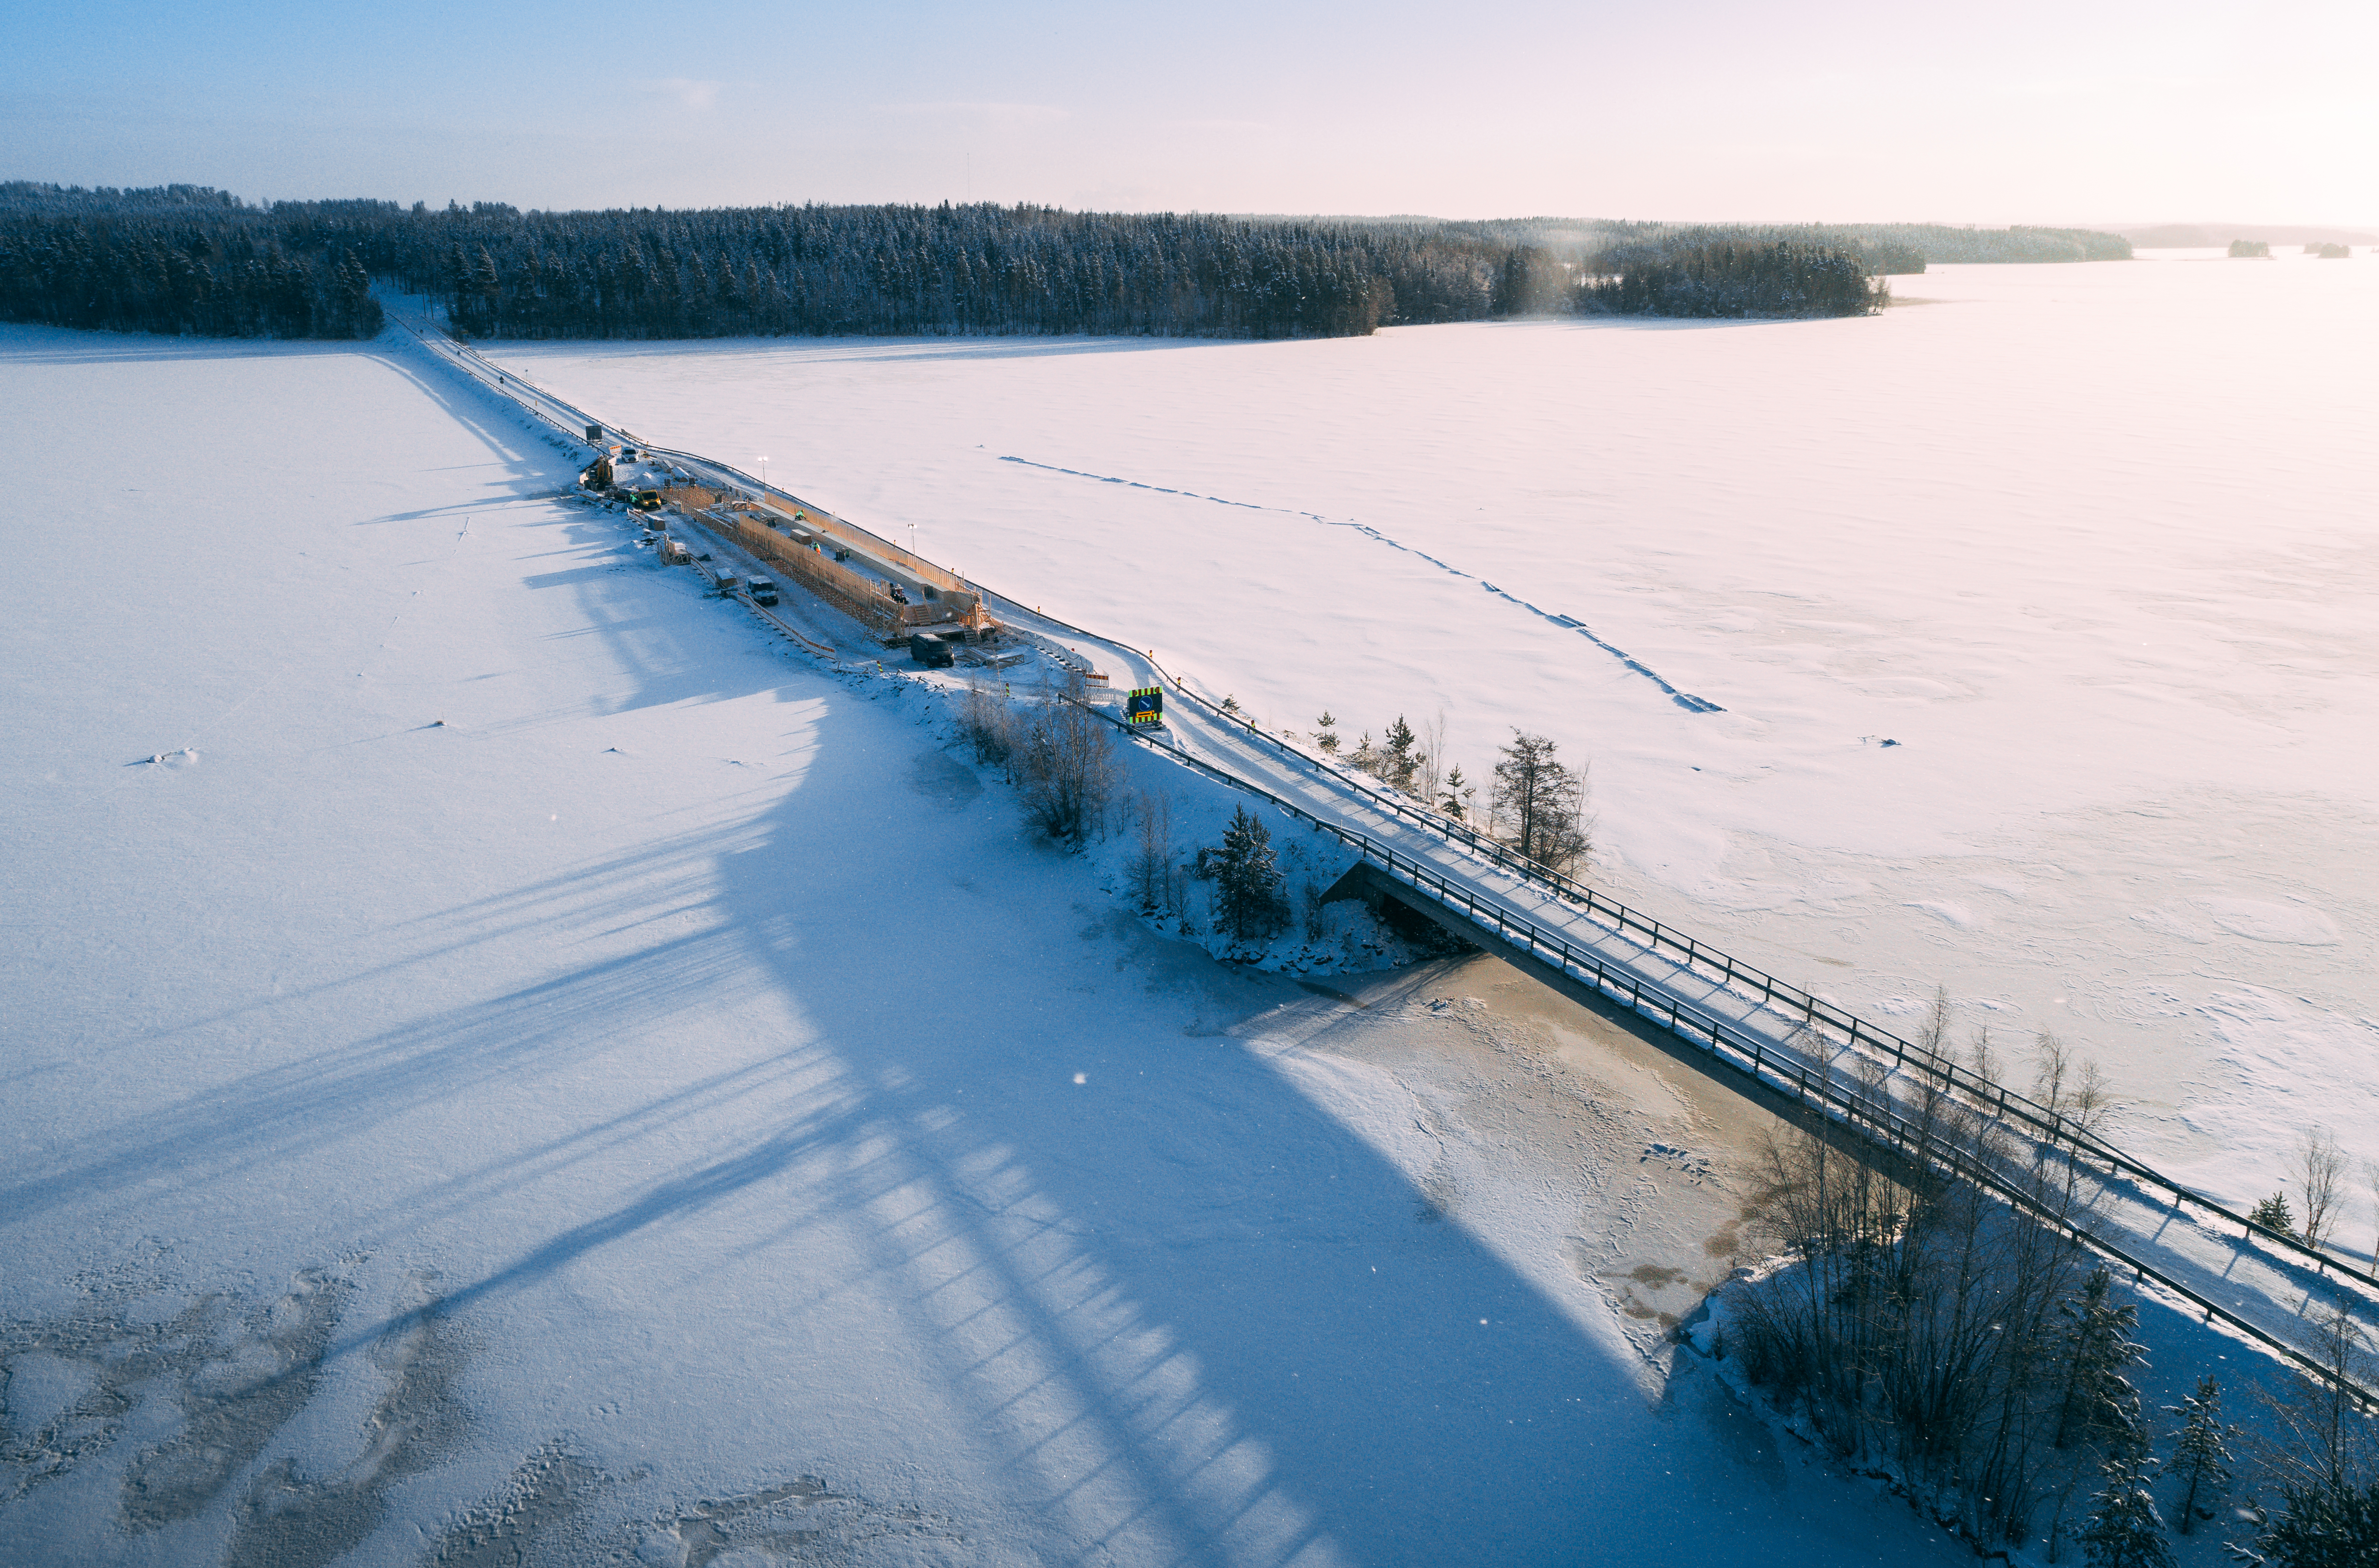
[2260, 1286]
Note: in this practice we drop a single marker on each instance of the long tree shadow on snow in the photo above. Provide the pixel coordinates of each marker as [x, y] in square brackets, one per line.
[1209, 1322]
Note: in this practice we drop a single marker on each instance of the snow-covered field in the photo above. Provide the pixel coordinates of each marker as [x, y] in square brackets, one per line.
[504, 1057]
[2091, 545]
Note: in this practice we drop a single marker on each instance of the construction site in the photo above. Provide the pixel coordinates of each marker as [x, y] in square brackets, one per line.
[898, 595]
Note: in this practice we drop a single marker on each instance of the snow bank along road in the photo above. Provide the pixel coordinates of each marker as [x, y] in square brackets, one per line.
[2263, 1286]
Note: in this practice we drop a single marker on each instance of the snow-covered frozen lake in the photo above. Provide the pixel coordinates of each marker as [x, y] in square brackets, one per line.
[505, 1063]
[2091, 545]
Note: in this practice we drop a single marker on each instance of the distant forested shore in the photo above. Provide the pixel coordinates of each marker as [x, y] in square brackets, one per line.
[190, 259]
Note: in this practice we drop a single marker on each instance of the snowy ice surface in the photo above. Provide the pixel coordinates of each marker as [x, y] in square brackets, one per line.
[2093, 545]
[500, 1052]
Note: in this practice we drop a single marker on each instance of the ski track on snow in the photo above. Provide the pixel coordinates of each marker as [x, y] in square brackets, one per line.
[1685, 700]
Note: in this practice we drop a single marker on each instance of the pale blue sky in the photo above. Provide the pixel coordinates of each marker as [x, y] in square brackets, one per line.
[2025, 111]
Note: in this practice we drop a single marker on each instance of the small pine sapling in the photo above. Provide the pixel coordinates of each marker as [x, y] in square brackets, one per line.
[2273, 1214]
[1458, 790]
[2201, 1454]
[1248, 899]
[1326, 733]
[2124, 1529]
[1398, 759]
[2100, 1408]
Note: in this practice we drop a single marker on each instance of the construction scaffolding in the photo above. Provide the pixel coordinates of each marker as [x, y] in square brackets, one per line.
[849, 568]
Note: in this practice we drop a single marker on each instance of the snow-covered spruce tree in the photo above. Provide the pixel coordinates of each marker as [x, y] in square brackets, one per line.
[1326, 733]
[2124, 1529]
[1458, 790]
[2273, 1214]
[2201, 1454]
[1399, 759]
[1539, 803]
[2100, 1406]
[1248, 901]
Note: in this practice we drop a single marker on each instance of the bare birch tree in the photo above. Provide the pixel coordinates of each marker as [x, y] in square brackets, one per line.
[2371, 1177]
[1064, 764]
[2320, 1171]
[1153, 859]
[1431, 769]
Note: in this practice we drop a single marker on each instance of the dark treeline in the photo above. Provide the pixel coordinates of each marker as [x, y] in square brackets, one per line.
[177, 259]
[810, 269]
[914, 269]
[186, 258]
